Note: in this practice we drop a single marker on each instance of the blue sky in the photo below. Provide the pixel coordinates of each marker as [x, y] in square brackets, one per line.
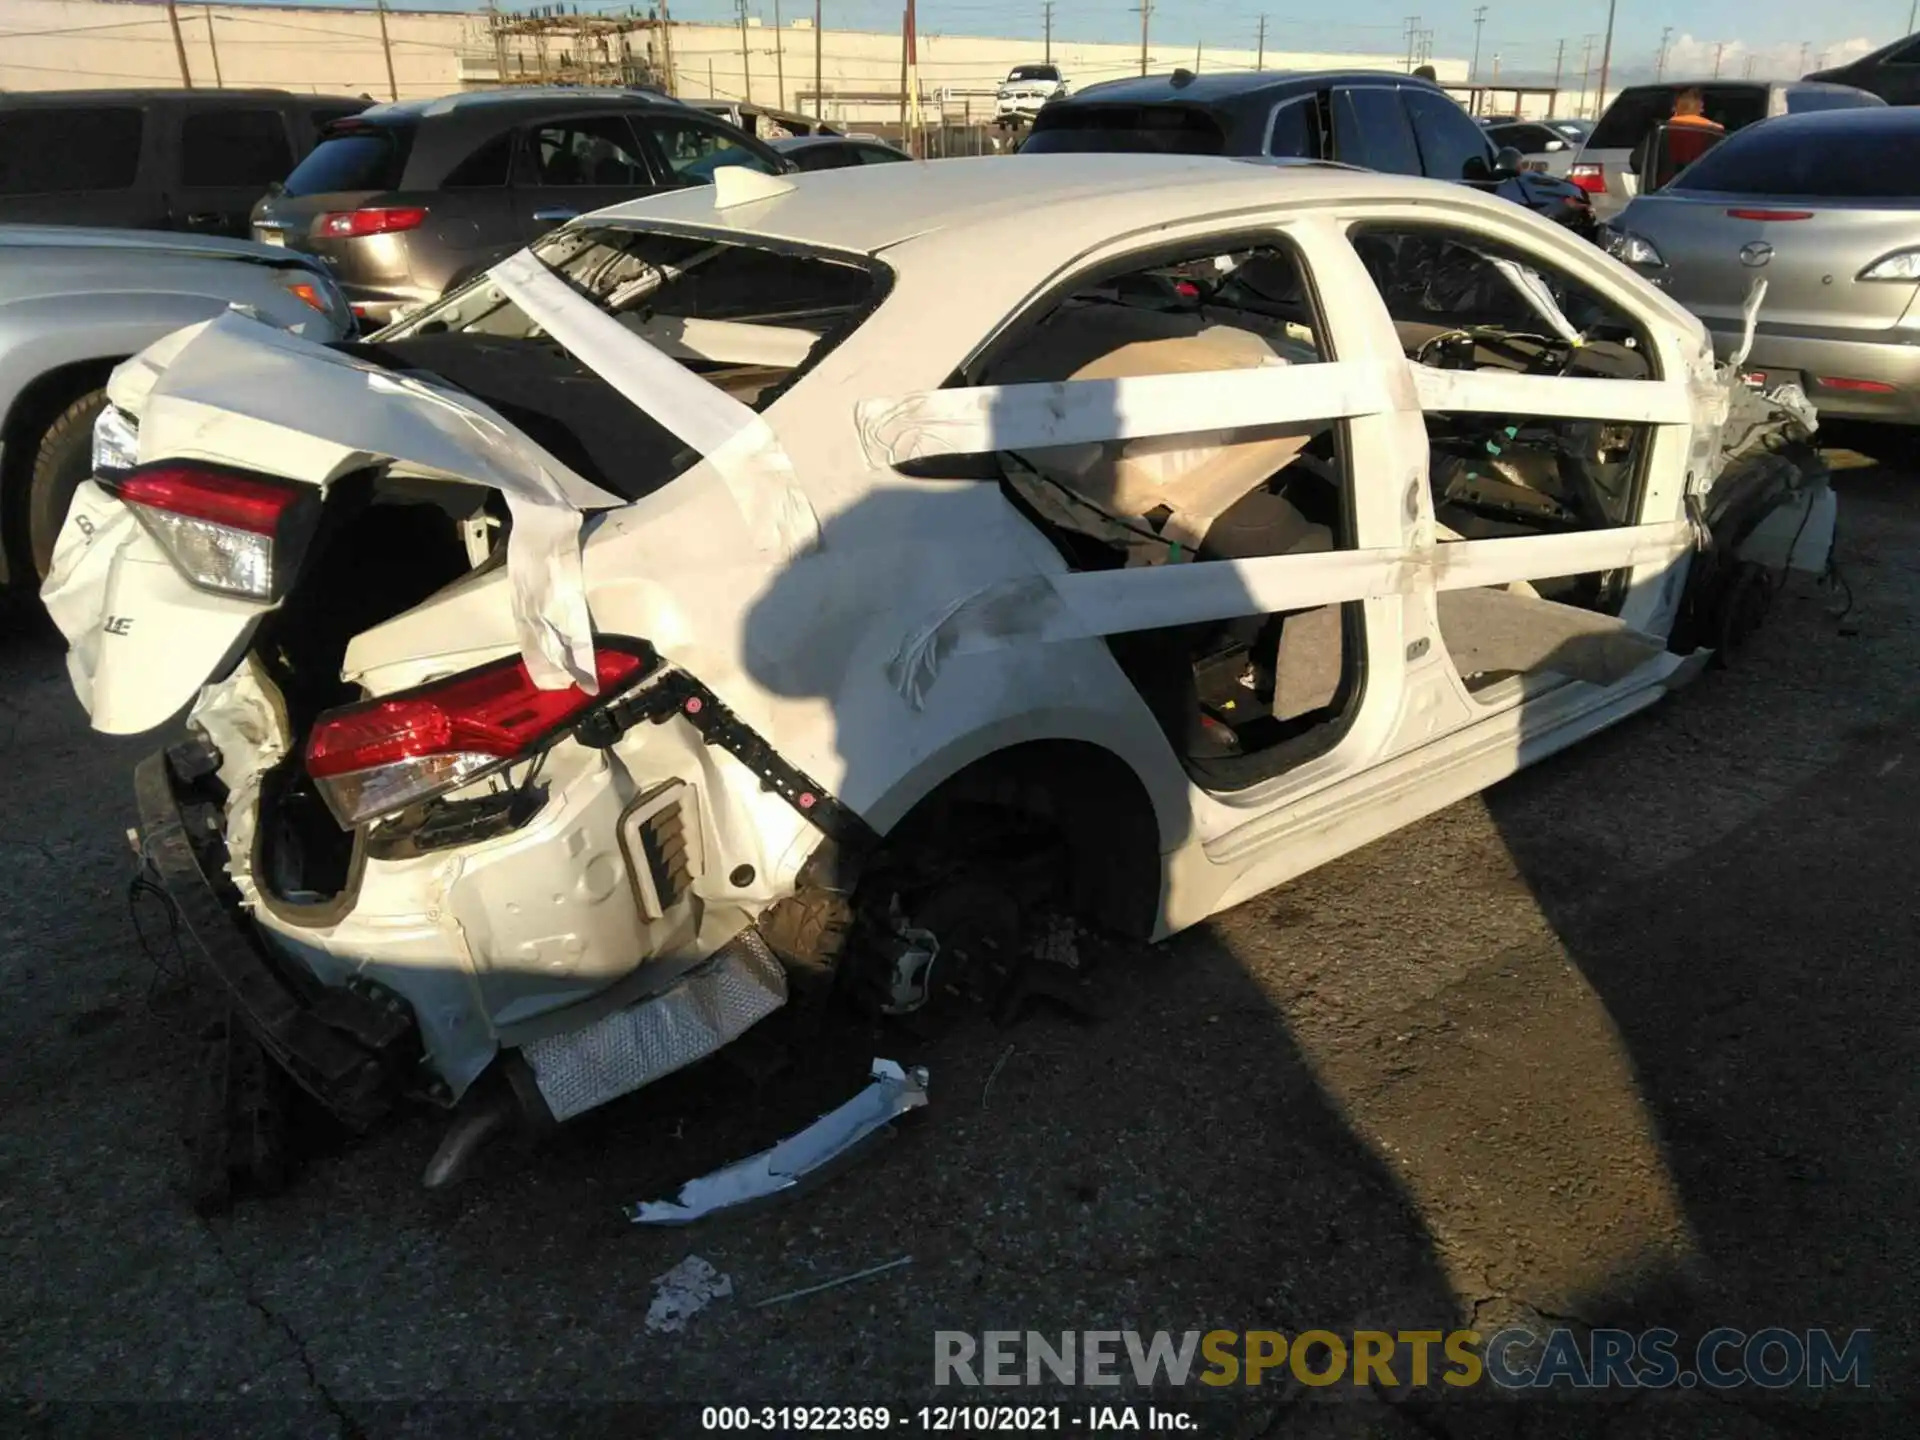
[1770, 34]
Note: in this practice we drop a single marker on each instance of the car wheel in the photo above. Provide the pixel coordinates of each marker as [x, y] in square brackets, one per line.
[64, 459]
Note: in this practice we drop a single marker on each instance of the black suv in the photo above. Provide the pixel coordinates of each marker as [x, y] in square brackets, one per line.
[1375, 119]
[403, 201]
[153, 159]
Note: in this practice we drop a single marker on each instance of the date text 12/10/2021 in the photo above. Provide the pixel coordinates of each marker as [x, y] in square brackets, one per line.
[945, 1419]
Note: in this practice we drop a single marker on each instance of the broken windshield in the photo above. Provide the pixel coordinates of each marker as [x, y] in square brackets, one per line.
[749, 318]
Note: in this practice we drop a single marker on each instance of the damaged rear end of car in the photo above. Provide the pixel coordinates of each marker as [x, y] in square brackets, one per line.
[482, 850]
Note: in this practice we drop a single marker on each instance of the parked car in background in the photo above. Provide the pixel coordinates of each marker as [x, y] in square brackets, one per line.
[1023, 600]
[1546, 146]
[763, 121]
[1605, 166]
[1892, 72]
[76, 302]
[1375, 119]
[836, 152]
[402, 201]
[1025, 90]
[1826, 209]
[154, 159]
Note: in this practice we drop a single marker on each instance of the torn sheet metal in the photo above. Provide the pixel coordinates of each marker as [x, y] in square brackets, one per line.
[1080, 605]
[1495, 632]
[981, 419]
[832, 1139]
[733, 438]
[237, 382]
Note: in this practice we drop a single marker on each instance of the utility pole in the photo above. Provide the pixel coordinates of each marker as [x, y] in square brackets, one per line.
[1805, 46]
[779, 61]
[666, 46]
[1196, 57]
[1719, 48]
[1559, 61]
[1660, 60]
[1479, 19]
[180, 46]
[1146, 11]
[819, 94]
[1496, 67]
[746, 64]
[213, 48]
[1260, 63]
[1413, 31]
[1586, 68]
[1750, 63]
[1606, 61]
[1046, 14]
[386, 48]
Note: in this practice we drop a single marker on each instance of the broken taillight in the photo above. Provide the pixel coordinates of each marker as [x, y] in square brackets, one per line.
[229, 531]
[382, 755]
[1590, 178]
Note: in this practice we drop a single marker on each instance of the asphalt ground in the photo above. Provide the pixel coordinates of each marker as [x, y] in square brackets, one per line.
[1626, 1041]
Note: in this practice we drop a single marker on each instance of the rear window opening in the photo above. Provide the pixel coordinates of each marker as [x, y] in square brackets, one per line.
[353, 157]
[1639, 109]
[748, 318]
[1126, 129]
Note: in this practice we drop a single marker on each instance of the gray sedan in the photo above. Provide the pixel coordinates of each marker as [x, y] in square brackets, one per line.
[1825, 208]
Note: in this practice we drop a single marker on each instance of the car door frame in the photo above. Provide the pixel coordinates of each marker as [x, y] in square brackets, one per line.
[182, 206]
[525, 163]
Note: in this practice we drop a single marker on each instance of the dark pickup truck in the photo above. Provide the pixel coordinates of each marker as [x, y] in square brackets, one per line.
[154, 159]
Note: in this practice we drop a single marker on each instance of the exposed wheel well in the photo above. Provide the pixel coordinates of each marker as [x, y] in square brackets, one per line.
[1091, 798]
[34, 409]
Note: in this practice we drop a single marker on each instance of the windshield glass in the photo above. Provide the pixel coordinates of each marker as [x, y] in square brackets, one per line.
[1820, 162]
[748, 319]
[1032, 72]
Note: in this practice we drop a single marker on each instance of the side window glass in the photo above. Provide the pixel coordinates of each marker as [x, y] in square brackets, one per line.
[593, 150]
[1452, 147]
[54, 150]
[485, 168]
[234, 148]
[693, 151]
[1370, 128]
[1295, 131]
[1247, 697]
[1460, 302]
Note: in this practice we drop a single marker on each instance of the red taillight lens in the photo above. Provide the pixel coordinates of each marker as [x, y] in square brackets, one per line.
[374, 758]
[228, 531]
[310, 294]
[1771, 214]
[1590, 178]
[379, 220]
[1858, 387]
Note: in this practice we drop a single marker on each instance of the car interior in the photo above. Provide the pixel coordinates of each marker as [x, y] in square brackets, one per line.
[1242, 699]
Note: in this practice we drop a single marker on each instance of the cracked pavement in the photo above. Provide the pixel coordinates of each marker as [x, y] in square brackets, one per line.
[1627, 1040]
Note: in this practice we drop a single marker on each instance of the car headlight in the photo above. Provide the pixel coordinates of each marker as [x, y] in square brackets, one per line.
[116, 441]
[1900, 265]
[1633, 249]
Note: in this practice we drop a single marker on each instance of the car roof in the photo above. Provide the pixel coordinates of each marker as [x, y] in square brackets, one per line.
[136, 96]
[510, 97]
[808, 142]
[1855, 120]
[1059, 203]
[1184, 87]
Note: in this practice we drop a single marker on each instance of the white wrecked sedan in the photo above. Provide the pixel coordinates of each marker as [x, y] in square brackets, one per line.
[823, 577]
